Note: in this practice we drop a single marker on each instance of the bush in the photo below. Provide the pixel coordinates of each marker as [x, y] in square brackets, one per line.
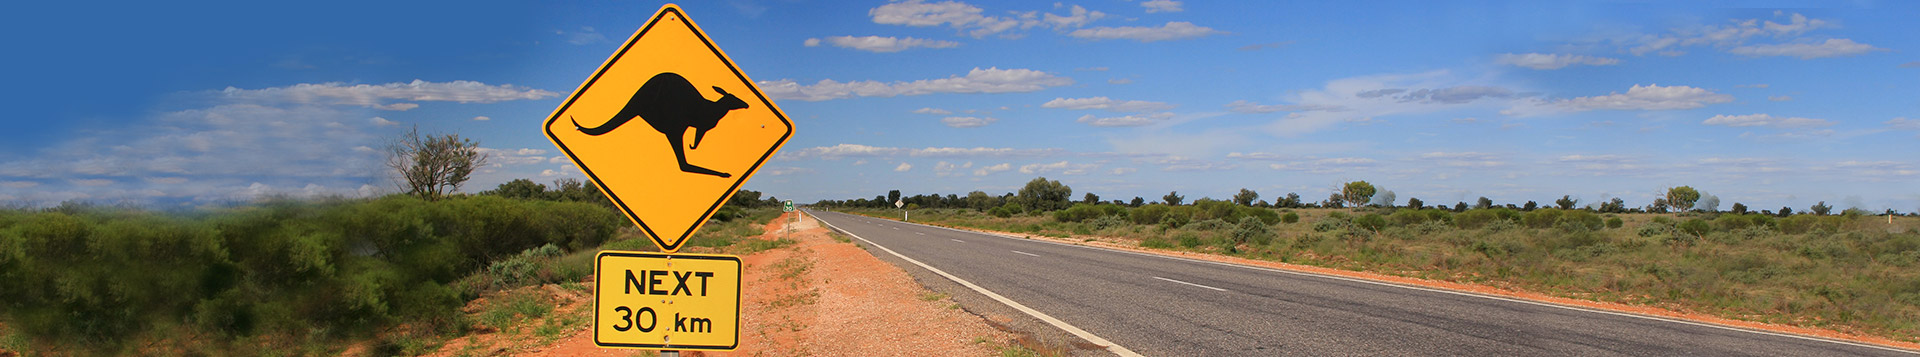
[1209, 225]
[1290, 218]
[1106, 222]
[1696, 227]
[1477, 218]
[1252, 230]
[1266, 216]
[1542, 218]
[1735, 222]
[1415, 217]
[1006, 210]
[1615, 222]
[1078, 213]
[1370, 222]
[1578, 219]
[1149, 214]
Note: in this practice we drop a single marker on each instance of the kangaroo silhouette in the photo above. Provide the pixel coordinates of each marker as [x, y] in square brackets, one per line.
[672, 105]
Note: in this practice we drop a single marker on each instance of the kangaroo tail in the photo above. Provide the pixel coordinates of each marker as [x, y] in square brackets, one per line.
[603, 128]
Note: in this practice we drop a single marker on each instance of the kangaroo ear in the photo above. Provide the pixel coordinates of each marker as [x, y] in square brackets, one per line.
[722, 91]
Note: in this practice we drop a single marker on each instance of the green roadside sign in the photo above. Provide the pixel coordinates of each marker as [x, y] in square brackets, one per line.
[788, 207]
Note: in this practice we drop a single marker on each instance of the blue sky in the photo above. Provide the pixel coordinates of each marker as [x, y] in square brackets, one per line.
[1769, 104]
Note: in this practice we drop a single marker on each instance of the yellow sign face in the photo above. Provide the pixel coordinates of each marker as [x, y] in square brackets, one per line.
[660, 301]
[668, 128]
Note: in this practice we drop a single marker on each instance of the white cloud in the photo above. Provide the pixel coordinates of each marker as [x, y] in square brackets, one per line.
[586, 36]
[1648, 97]
[811, 42]
[1903, 123]
[967, 122]
[1178, 30]
[1766, 121]
[382, 121]
[883, 44]
[1108, 104]
[857, 150]
[1123, 170]
[1733, 34]
[1545, 61]
[904, 167]
[1078, 17]
[1835, 47]
[376, 96]
[1462, 159]
[934, 111]
[1154, 6]
[1063, 167]
[1125, 121]
[1914, 64]
[959, 15]
[989, 170]
[783, 171]
[19, 184]
[1246, 107]
[990, 80]
[482, 118]
[1779, 98]
[1120, 81]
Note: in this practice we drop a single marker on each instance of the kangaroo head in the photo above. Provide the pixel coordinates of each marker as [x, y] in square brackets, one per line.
[728, 101]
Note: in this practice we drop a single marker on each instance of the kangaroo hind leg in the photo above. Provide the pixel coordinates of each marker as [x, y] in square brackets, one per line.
[680, 152]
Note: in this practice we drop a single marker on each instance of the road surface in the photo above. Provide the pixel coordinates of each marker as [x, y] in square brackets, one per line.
[1164, 306]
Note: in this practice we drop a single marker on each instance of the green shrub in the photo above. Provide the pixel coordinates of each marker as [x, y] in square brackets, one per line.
[1253, 230]
[1078, 213]
[1542, 218]
[1481, 217]
[1580, 220]
[1107, 222]
[1266, 216]
[1696, 227]
[1188, 239]
[1615, 222]
[1735, 222]
[1290, 218]
[1149, 214]
[1006, 210]
[1371, 222]
[1209, 225]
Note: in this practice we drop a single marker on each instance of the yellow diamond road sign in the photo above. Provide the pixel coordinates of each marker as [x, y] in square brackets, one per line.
[679, 301]
[668, 128]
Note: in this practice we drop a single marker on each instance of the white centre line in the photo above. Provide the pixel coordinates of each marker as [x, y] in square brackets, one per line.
[1182, 282]
[919, 233]
[896, 228]
[956, 240]
[1031, 254]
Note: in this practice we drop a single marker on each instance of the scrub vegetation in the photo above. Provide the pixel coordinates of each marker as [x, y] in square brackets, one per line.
[307, 277]
[1851, 272]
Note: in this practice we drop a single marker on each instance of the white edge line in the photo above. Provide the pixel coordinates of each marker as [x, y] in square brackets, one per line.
[1182, 282]
[1076, 331]
[1461, 293]
[956, 240]
[1029, 254]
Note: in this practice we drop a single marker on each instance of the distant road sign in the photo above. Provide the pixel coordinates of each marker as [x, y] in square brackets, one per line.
[898, 204]
[678, 301]
[671, 174]
[788, 207]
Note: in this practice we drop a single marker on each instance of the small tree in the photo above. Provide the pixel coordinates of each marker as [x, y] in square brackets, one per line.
[1245, 197]
[1334, 200]
[1415, 203]
[1566, 202]
[1357, 192]
[1786, 211]
[1529, 206]
[893, 196]
[1137, 201]
[1291, 201]
[1682, 198]
[432, 167]
[1172, 198]
[1739, 208]
[1822, 208]
[520, 189]
[1043, 195]
[1616, 205]
[1460, 207]
[1483, 203]
[1090, 198]
[1659, 206]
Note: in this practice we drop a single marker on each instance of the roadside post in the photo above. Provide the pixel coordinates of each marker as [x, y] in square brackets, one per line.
[901, 204]
[669, 129]
[791, 220]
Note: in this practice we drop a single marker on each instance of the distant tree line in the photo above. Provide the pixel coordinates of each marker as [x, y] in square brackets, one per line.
[1042, 195]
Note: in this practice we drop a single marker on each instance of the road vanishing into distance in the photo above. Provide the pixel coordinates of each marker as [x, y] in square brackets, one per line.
[1165, 306]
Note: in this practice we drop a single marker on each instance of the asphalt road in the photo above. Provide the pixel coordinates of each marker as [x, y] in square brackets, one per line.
[1163, 306]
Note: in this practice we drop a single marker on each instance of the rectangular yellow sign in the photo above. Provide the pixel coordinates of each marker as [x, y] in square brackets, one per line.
[666, 301]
